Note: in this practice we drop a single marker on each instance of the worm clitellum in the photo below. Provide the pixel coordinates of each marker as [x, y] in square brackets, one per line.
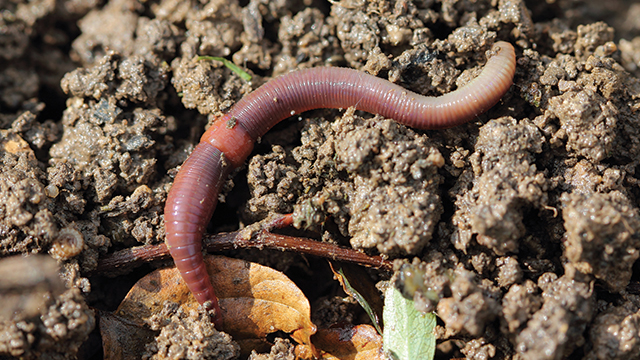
[228, 142]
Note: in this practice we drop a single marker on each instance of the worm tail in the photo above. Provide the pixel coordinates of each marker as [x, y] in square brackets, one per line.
[326, 87]
[471, 100]
[187, 212]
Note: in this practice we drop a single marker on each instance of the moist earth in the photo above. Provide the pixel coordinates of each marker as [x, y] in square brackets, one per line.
[519, 229]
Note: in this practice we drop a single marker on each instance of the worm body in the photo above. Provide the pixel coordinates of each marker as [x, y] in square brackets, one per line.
[229, 141]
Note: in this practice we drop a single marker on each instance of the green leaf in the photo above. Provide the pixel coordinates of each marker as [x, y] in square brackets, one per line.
[233, 67]
[408, 333]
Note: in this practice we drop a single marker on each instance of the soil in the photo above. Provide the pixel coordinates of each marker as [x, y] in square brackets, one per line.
[520, 228]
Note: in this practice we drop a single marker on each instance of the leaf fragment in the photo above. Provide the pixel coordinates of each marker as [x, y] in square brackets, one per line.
[408, 333]
[360, 342]
[122, 339]
[255, 300]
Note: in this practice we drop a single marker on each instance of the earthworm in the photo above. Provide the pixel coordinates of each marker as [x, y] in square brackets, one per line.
[229, 141]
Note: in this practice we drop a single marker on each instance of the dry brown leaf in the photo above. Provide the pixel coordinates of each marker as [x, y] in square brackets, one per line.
[255, 300]
[121, 339]
[360, 342]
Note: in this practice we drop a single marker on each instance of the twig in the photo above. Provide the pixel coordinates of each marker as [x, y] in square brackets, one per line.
[128, 259]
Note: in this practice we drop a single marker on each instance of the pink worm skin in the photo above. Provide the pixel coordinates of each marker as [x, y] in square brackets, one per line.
[228, 143]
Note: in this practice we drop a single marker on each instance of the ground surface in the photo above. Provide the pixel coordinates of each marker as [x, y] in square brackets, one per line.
[520, 228]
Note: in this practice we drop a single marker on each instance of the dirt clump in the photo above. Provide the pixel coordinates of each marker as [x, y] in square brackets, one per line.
[392, 174]
[40, 318]
[619, 319]
[191, 336]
